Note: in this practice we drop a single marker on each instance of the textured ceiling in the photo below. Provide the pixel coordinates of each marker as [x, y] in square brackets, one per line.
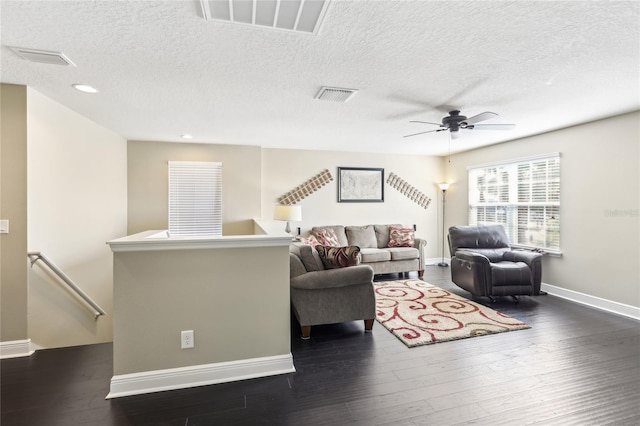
[163, 70]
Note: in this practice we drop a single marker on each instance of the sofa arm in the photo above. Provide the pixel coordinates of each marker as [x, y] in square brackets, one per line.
[329, 278]
[420, 244]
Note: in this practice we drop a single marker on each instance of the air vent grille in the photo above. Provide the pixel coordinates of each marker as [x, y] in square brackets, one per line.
[335, 94]
[42, 56]
[303, 16]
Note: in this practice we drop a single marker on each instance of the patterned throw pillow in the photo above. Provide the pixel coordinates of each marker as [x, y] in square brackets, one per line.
[327, 237]
[401, 237]
[339, 257]
[310, 241]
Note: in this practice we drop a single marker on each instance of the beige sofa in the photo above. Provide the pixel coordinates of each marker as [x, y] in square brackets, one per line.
[373, 241]
[329, 296]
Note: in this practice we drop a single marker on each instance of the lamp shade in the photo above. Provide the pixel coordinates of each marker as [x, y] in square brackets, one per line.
[443, 186]
[288, 213]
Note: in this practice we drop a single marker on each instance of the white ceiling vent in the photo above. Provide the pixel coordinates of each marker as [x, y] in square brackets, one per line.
[290, 15]
[335, 94]
[42, 56]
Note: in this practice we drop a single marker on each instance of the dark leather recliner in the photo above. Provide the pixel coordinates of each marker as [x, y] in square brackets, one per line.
[483, 263]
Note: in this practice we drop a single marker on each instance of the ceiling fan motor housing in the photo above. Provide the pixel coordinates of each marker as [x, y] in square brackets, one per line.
[453, 121]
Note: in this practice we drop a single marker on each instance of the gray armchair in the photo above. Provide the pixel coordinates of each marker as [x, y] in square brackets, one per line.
[483, 263]
[328, 296]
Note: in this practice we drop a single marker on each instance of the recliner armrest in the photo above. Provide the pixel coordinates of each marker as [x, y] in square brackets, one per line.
[528, 257]
[470, 256]
[340, 277]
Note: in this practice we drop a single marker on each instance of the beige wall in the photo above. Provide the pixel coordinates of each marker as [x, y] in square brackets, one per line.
[599, 173]
[283, 170]
[235, 300]
[77, 202]
[13, 207]
[148, 183]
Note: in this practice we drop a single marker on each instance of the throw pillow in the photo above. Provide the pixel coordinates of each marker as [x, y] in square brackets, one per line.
[401, 237]
[310, 241]
[362, 236]
[327, 237]
[339, 257]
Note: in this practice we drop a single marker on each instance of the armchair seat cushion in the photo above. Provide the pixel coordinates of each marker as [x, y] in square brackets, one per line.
[510, 273]
[370, 255]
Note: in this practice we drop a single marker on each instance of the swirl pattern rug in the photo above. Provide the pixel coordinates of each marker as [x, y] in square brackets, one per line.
[419, 313]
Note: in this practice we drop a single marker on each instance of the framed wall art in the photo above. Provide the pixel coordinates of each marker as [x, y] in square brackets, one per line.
[360, 185]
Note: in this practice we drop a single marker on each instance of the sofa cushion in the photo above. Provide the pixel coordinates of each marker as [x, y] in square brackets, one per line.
[310, 258]
[339, 257]
[370, 255]
[338, 230]
[361, 236]
[401, 237]
[404, 253]
[382, 234]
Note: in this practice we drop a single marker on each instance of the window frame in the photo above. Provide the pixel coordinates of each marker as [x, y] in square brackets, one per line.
[509, 206]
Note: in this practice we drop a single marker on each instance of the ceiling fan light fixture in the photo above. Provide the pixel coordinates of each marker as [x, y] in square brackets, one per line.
[85, 88]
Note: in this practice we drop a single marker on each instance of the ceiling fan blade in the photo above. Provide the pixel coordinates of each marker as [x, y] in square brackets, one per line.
[425, 122]
[422, 133]
[492, 127]
[480, 117]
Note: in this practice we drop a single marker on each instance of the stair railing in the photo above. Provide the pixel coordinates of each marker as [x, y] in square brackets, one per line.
[34, 256]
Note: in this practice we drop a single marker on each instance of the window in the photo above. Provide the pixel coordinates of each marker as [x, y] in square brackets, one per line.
[195, 198]
[523, 195]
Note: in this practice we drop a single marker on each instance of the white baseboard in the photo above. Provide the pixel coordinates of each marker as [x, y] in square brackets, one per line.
[593, 301]
[16, 348]
[433, 261]
[199, 375]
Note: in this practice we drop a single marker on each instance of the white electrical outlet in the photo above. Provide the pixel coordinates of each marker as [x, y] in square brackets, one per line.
[186, 339]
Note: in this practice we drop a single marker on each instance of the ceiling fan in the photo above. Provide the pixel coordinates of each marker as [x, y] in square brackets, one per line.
[454, 122]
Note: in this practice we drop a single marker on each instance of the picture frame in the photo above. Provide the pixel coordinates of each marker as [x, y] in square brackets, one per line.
[360, 185]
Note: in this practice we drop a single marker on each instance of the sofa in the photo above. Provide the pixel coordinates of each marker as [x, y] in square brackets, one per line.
[329, 296]
[386, 248]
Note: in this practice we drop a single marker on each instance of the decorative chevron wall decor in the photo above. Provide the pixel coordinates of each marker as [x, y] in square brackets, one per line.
[396, 182]
[301, 192]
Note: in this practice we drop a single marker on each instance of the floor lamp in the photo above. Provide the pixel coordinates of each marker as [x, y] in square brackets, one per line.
[443, 188]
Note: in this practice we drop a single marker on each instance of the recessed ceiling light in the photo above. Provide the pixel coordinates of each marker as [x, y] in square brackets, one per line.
[186, 136]
[85, 88]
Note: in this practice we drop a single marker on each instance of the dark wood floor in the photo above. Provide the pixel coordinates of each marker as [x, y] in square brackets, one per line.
[575, 366]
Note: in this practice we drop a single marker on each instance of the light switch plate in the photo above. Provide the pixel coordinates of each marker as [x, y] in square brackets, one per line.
[4, 226]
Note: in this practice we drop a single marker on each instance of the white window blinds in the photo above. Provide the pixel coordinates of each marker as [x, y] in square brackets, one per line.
[523, 196]
[195, 198]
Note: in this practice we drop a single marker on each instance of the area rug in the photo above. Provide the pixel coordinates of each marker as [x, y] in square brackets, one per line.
[419, 313]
